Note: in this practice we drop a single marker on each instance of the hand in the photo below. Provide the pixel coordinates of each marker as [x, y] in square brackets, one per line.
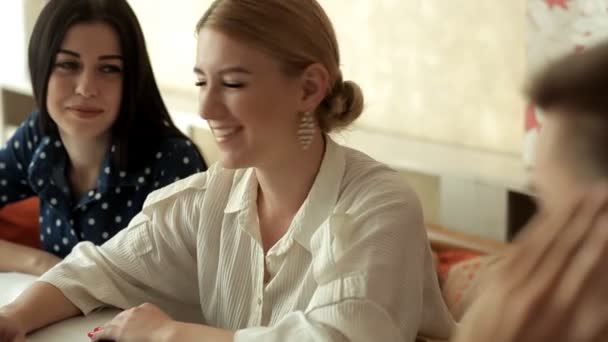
[10, 331]
[552, 284]
[143, 323]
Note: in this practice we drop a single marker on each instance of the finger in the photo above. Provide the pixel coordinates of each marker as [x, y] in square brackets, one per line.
[581, 231]
[108, 330]
[602, 333]
[542, 235]
[106, 333]
[503, 284]
[582, 293]
[568, 242]
[517, 251]
[555, 263]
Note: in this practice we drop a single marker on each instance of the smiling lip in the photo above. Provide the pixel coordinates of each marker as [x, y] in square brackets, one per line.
[223, 133]
[85, 111]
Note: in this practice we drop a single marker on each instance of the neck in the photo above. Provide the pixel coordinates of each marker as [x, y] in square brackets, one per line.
[284, 186]
[85, 160]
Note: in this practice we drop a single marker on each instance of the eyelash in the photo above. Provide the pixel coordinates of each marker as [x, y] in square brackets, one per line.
[228, 85]
[106, 68]
[111, 69]
[67, 65]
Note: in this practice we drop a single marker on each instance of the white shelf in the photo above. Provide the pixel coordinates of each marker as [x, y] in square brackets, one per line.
[20, 86]
[404, 153]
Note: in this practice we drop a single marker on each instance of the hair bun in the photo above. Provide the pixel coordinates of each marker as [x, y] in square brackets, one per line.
[344, 105]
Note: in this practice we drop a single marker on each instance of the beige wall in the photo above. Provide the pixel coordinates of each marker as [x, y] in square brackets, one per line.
[447, 71]
[443, 70]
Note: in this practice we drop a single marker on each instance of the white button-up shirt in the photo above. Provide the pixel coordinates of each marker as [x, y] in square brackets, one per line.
[354, 265]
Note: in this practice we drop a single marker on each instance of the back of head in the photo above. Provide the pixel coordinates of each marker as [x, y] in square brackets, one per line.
[297, 33]
[576, 88]
[141, 104]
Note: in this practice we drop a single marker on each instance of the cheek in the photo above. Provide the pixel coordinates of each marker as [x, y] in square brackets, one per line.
[57, 88]
[114, 93]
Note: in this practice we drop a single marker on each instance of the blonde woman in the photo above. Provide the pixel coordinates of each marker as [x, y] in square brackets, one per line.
[291, 237]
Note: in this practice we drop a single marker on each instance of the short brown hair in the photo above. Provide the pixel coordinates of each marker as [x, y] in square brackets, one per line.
[297, 33]
[576, 87]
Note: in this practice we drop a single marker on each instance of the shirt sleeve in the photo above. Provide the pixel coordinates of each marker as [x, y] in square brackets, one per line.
[371, 269]
[177, 159]
[15, 158]
[152, 260]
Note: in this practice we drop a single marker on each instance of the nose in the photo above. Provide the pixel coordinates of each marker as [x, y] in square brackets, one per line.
[87, 84]
[210, 103]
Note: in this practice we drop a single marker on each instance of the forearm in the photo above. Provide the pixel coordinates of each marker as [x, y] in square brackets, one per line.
[18, 258]
[185, 332]
[26, 309]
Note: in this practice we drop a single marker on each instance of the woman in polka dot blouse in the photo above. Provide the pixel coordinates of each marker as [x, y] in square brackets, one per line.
[101, 138]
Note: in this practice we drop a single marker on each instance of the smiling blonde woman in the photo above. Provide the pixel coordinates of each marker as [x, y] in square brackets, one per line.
[291, 237]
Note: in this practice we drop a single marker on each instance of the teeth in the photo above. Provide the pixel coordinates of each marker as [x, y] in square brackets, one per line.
[222, 133]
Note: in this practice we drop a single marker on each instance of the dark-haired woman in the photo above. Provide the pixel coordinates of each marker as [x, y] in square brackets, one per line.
[101, 138]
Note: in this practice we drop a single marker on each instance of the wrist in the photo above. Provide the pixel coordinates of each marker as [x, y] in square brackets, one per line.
[41, 261]
[179, 331]
[169, 332]
[11, 313]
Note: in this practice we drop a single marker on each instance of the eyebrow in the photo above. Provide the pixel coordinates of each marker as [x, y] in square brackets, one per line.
[228, 70]
[77, 55]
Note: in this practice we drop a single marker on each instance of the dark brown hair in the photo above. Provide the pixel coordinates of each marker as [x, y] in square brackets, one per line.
[142, 109]
[576, 88]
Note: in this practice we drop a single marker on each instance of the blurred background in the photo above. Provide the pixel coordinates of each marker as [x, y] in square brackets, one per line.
[443, 82]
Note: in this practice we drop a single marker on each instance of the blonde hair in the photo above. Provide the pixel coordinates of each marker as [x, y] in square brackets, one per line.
[298, 33]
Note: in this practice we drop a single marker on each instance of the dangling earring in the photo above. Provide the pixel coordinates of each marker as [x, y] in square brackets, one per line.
[306, 130]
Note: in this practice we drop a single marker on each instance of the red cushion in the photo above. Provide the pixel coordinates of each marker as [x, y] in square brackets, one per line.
[449, 258]
[19, 222]
[463, 283]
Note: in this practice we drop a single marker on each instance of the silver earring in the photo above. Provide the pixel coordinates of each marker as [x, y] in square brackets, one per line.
[306, 130]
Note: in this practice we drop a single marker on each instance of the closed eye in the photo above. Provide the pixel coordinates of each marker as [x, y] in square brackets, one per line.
[234, 85]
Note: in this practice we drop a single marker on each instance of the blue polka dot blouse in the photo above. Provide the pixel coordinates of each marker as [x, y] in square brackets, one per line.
[35, 165]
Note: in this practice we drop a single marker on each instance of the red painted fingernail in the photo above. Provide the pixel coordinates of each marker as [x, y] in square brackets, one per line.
[96, 329]
[90, 334]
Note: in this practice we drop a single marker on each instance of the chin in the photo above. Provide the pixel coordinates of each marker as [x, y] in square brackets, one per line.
[88, 134]
[230, 162]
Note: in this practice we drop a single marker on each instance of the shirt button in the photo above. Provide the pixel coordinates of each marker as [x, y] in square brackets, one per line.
[259, 300]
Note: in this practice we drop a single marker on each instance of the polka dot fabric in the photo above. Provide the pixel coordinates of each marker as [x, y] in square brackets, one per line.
[35, 165]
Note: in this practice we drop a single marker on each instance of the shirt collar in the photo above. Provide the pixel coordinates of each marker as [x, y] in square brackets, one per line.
[51, 155]
[243, 191]
[317, 206]
[47, 166]
[323, 195]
